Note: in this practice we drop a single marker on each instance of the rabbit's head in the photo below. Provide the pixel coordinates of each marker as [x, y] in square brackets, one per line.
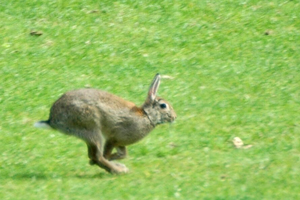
[157, 109]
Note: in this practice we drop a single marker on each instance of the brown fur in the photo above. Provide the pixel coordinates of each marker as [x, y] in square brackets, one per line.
[105, 121]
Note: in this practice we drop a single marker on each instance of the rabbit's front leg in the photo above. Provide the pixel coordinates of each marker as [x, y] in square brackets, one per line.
[120, 154]
[96, 157]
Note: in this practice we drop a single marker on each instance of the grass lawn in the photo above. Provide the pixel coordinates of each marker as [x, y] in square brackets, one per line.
[234, 69]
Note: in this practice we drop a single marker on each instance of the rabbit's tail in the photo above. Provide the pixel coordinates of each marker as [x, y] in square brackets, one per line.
[42, 124]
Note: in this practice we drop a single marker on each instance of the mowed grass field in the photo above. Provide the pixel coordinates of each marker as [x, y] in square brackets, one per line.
[231, 68]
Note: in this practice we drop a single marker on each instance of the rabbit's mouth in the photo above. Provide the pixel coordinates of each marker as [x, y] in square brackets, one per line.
[172, 117]
[168, 119]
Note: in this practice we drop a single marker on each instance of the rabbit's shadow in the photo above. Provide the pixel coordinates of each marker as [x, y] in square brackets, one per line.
[52, 176]
[30, 176]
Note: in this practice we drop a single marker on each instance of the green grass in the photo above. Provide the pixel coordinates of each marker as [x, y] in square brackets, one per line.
[230, 79]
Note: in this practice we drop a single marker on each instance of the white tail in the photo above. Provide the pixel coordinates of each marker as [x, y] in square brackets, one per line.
[42, 124]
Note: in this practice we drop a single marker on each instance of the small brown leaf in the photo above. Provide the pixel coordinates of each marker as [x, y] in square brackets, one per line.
[223, 177]
[268, 32]
[94, 11]
[36, 33]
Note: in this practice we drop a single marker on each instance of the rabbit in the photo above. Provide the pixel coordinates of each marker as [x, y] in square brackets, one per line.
[106, 122]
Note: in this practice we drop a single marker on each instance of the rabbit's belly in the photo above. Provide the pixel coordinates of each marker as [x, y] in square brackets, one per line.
[126, 135]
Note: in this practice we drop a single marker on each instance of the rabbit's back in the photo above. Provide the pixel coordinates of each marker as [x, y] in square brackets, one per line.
[76, 108]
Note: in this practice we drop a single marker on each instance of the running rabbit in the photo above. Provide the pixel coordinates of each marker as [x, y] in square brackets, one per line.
[105, 121]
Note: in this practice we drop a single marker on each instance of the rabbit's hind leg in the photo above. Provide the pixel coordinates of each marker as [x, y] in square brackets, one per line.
[92, 150]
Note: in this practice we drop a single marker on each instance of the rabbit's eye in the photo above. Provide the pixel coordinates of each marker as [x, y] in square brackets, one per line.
[163, 106]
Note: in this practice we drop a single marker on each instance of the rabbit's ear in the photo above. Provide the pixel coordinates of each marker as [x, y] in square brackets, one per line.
[154, 87]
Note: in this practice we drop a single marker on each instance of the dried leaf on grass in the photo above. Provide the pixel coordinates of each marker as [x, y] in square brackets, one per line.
[167, 77]
[36, 33]
[239, 144]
